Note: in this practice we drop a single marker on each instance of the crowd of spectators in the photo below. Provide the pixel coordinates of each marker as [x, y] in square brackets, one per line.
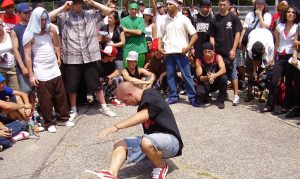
[49, 61]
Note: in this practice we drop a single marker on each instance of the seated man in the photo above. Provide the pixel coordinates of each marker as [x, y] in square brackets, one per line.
[10, 130]
[19, 97]
[211, 73]
[136, 75]
[161, 139]
[110, 75]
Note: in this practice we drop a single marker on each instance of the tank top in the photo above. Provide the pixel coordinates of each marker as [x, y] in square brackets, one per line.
[19, 30]
[7, 59]
[148, 31]
[44, 62]
[136, 74]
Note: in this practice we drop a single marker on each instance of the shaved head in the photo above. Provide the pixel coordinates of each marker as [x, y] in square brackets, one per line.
[128, 93]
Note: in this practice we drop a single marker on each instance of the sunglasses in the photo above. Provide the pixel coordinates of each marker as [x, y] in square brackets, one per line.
[9, 7]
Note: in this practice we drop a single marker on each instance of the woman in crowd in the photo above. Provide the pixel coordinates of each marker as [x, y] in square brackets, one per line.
[7, 59]
[113, 36]
[149, 23]
[284, 34]
[186, 11]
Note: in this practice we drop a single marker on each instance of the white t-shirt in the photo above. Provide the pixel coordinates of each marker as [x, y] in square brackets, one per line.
[6, 52]
[45, 66]
[159, 19]
[176, 32]
[265, 37]
[248, 23]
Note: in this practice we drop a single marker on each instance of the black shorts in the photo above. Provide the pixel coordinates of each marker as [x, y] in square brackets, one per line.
[73, 73]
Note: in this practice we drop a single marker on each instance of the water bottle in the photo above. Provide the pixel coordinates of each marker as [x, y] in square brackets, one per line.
[36, 126]
[31, 128]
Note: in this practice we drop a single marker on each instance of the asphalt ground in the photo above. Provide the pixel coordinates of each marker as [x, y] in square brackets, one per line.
[236, 142]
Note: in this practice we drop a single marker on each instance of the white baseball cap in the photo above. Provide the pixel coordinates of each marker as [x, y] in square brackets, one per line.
[132, 56]
[148, 11]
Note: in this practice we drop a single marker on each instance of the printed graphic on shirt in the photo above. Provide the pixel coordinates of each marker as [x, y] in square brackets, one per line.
[202, 27]
[229, 25]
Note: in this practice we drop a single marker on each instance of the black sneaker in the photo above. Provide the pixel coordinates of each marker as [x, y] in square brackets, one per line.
[293, 113]
[221, 104]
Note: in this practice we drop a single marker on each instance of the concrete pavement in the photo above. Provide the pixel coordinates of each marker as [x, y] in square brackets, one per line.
[236, 142]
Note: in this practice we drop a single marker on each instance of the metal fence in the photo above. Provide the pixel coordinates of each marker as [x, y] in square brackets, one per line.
[295, 3]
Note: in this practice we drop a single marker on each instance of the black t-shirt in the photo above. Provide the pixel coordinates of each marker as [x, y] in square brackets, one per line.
[115, 38]
[223, 29]
[201, 25]
[161, 118]
[108, 68]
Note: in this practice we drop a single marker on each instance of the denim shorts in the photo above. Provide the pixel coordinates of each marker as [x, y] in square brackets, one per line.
[232, 74]
[167, 143]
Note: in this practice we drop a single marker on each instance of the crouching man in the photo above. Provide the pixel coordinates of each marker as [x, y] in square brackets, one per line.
[211, 74]
[161, 139]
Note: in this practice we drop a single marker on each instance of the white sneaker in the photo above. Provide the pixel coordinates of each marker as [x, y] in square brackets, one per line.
[67, 123]
[236, 100]
[52, 129]
[73, 115]
[108, 112]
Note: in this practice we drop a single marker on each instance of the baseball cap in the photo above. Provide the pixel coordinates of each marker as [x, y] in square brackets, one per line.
[148, 39]
[141, 2]
[260, 1]
[159, 4]
[110, 51]
[132, 56]
[77, 1]
[205, 3]
[148, 11]
[2, 78]
[6, 3]
[207, 46]
[258, 50]
[22, 7]
[154, 44]
[134, 5]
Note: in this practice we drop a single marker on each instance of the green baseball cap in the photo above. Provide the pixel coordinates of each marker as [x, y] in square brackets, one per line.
[134, 5]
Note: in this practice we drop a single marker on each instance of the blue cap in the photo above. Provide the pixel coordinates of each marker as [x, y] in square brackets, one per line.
[2, 79]
[23, 7]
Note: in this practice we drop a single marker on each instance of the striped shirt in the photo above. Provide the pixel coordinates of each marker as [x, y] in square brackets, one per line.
[79, 36]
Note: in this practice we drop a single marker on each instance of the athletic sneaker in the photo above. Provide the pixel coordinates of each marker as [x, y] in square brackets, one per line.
[21, 136]
[73, 115]
[108, 112]
[52, 129]
[236, 100]
[67, 123]
[116, 102]
[94, 174]
[1, 148]
[160, 173]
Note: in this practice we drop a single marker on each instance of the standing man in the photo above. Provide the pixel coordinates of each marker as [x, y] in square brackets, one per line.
[8, 16]
[16, 34]
[225, 31]
[81, 49]
[134, 29]
[175, 31]
[202, 21]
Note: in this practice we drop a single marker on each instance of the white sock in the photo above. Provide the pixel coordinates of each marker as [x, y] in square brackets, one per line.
[20, 136]
[104, 106]
[74, 109]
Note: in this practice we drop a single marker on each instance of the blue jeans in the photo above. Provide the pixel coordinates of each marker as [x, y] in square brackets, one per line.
[182, 62]
[16, 127]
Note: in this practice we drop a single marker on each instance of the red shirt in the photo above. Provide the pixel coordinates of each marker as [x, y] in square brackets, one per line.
[10, 22]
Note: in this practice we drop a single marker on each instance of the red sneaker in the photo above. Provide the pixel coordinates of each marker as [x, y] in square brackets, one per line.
[94, 174]
[116, 102]
[160, 173]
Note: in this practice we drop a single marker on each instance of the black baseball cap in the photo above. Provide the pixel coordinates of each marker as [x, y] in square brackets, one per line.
[205, 3]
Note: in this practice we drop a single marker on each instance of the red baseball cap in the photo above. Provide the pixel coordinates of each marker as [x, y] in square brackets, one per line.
[6, 3]
[154, 44]
[110, 51]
